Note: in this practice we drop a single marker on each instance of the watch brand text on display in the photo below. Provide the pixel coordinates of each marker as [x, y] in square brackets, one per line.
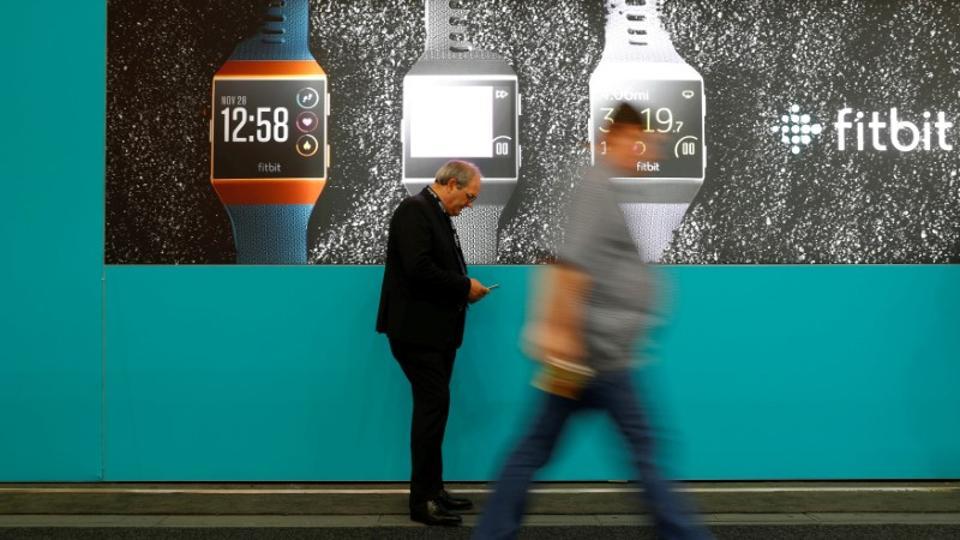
[890, 132]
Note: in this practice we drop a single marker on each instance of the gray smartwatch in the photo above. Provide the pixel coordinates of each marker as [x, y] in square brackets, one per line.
[639, 66]
[462, 103]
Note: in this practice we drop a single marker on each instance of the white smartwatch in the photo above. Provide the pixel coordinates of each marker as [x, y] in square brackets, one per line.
[639, 66]
[462, 103]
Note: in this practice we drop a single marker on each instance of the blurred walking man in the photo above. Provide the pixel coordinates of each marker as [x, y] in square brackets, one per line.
[594, 303]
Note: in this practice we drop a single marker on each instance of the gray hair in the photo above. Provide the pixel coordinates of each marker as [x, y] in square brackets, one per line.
[461, 171]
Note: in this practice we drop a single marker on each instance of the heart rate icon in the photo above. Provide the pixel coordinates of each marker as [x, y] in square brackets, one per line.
[307, 122]
[687, 94]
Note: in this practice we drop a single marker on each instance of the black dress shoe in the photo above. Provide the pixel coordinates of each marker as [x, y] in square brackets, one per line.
[434, 513]
[454, 503]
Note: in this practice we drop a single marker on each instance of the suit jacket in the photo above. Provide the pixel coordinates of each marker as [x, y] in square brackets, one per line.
[423, 298]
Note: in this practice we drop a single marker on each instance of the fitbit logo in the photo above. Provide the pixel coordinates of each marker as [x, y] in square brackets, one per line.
[890, 131]
[860, 131]
[797, 129]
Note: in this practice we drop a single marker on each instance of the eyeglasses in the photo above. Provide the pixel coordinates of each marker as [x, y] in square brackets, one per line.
[471, 197]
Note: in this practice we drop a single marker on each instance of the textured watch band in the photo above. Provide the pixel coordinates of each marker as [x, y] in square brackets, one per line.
[447, 33]
[477, 229]
[270, 233]
[634, 32]
[284, 35]
[651, 226]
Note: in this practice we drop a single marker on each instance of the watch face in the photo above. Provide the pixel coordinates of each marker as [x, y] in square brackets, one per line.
[269, 128]
[671, 109]
[471, 119]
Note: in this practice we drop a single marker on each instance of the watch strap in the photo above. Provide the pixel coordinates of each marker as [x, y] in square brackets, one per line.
[634, 32]
[477, 229]
[270, 233]
[447, 33]
[651, 226]
[283, 35]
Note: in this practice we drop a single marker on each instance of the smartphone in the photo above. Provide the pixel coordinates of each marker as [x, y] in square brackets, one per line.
[494, 286]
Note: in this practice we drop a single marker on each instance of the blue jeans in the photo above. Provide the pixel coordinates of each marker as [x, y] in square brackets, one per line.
[613, 393]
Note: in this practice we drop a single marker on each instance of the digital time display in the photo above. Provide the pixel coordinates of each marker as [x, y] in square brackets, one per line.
[273, 125]
[269, 128]
[446, 119]
[672, 112]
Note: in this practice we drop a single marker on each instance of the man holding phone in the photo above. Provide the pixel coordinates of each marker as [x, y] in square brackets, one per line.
[423, 304]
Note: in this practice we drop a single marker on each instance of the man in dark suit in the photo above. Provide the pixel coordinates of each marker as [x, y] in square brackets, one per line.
[423, 304]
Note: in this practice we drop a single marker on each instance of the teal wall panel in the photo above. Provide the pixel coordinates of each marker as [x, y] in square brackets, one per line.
[51, 169]
[275, 373]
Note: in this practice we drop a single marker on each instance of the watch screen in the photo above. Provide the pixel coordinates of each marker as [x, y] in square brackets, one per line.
[269, 128]
[430, 127]
[448, 119]
[672, 112]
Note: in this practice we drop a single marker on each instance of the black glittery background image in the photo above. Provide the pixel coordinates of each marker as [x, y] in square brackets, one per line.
[765, 64]
[760, 202]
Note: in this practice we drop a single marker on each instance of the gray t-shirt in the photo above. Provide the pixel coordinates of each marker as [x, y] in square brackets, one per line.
[597, 242]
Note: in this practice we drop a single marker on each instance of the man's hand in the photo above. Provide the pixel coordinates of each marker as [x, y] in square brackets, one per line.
[477, 291]
[555, 327]
[544, 340]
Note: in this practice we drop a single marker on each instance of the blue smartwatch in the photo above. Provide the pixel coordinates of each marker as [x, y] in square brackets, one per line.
[268, 137]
